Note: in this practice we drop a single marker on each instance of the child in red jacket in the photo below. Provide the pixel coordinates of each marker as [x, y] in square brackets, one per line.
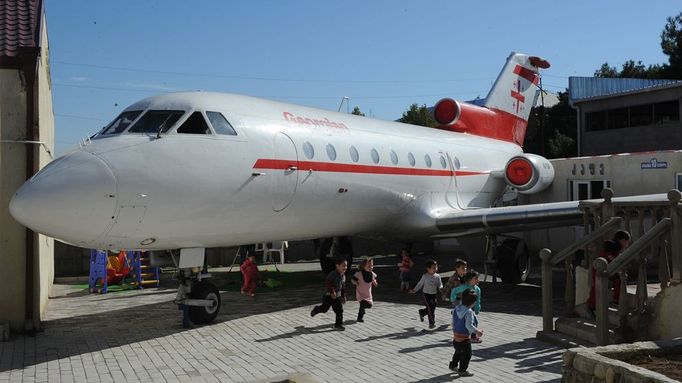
[249, 271]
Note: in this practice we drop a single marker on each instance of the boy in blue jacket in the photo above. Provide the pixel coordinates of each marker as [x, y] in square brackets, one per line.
[464, 324]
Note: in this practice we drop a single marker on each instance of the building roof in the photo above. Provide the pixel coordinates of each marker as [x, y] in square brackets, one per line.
[589, 88]
[19, 26]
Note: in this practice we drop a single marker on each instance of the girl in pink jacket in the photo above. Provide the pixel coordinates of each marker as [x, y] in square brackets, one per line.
[364, 280]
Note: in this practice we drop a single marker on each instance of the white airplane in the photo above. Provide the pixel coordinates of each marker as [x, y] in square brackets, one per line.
[195, 170]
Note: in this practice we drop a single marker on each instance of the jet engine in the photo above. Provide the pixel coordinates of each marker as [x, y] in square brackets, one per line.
[529, 173]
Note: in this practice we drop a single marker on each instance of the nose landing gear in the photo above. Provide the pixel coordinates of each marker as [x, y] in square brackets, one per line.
[198, 299]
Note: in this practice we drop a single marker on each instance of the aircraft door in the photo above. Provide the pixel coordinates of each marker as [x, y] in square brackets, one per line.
[452, 193]
[284, 179]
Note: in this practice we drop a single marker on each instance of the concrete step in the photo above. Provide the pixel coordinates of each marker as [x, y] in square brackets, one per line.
[581, 328]
[562, 340]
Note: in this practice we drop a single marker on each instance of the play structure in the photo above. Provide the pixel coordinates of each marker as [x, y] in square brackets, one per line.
[127, 267]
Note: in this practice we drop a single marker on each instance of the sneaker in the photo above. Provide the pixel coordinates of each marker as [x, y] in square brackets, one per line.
[421, 317]
[432, 325]
[360, 320]
[464, 374]
[313, 313]
[339, 327]
[452, 366]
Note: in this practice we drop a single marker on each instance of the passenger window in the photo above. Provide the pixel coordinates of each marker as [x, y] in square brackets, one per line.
[410, 158]
[308, 150]
[354, 155]
[156, 121]
[394, 157]
[443, 164]
[122, 122]
[427, 159]
[195, 124]
[331, 152]
[220, 124]
[375, 156]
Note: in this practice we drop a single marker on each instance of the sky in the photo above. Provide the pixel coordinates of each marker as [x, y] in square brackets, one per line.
[383, 54]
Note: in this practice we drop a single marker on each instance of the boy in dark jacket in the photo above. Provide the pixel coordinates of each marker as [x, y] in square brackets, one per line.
[334, 295]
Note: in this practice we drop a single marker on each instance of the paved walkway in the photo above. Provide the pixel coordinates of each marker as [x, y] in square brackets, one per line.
[136, 336]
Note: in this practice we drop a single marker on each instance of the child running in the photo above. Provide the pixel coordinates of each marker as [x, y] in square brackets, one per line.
[249, 271]
[429, 284]
[334, 295]
[404, 266]
[470, 283]
[364, 280]
[464, 325]
[456, 279]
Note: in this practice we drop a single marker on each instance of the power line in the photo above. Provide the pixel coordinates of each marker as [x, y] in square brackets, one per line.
[79, 117]
[261, 78]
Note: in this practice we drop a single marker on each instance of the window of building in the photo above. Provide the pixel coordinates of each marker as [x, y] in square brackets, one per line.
[122, 122]
[375, 156]
[308, 150]
[427, 160]
[354, 155]
[394, 157]
[331, 152]
[595, 121]
[156, 121]
[410, 159]
[678, 181]
[195, 124]
[641, 115]
[665, 112]
[617, 118]
[579, 190]
[220, 124]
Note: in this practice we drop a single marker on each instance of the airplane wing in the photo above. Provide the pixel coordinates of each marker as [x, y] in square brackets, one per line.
[496, 220]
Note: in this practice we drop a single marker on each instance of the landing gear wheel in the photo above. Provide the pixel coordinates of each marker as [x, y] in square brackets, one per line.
[328, 254]
[204, 315]
[513, 260]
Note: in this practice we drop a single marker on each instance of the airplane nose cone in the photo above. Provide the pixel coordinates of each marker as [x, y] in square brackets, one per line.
[73, 199]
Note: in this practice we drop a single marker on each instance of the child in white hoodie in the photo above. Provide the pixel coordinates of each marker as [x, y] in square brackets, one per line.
[464, 324]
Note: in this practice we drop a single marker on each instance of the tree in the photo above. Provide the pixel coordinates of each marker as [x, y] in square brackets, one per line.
[561, 145]
[606, 71]
[631, 69]
[419, 115]
[671, 43]
[356, 111]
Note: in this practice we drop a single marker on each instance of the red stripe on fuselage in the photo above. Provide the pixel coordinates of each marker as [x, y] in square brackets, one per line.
[268, 163]
[526, 73]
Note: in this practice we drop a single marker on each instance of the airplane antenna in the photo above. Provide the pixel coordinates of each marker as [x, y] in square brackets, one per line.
[347, 101]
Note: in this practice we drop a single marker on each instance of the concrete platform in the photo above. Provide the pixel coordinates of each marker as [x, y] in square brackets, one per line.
[137, 336]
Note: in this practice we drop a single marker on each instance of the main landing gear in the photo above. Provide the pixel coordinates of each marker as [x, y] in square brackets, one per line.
[197, 298]
[328, 250]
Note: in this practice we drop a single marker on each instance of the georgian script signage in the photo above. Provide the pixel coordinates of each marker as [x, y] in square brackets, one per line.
[654, 164]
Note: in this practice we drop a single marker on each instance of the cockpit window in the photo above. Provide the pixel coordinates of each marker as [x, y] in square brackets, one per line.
[220, 124]
[156, 121]
[121, 122]
[195, 124]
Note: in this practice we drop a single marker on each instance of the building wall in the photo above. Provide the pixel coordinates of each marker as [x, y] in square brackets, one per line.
[13, 173]
[667, 136]
[45, 244]
[626, 175]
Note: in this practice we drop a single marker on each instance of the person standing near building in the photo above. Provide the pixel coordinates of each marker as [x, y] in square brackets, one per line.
[611, 249]
[430, 283]
[249, 270]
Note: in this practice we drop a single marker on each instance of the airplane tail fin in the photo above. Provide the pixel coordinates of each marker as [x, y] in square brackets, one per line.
[505, 113]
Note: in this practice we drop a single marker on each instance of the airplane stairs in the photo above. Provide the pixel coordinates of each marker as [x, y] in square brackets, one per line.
[144, 275]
